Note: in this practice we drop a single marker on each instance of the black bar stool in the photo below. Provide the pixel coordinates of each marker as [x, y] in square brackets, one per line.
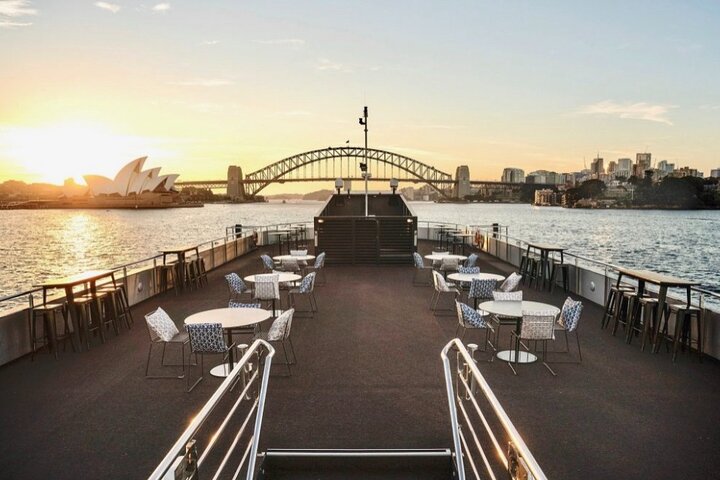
[46, 314]
[117, 299]
[167, 273]
[612, 303]
[684, 316]
[623, 311]
[564, 268]
[642, 311]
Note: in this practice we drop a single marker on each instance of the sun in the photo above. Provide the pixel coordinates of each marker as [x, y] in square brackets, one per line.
[53, 153]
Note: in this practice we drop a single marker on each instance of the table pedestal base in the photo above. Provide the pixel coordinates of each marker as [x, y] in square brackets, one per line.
[523, 357]
[222, 370]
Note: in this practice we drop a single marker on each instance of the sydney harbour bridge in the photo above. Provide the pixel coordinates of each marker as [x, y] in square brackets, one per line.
[328, 164]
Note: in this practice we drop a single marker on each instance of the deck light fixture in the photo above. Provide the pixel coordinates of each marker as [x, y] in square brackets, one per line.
[393, 185]
[338, 185]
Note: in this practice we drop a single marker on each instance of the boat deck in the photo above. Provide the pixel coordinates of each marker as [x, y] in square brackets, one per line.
[368, 375]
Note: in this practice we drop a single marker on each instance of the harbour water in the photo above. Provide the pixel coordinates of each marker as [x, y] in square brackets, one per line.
[40, 244]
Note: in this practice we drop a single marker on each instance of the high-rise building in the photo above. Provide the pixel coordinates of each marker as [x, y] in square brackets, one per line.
[686, 172]
[715, 173]
[596, 167]
[513, 175]
[643, 161]
[612, 166]
[624, 168]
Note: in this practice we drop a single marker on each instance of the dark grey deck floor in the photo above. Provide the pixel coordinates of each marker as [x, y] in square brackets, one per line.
[368, 375]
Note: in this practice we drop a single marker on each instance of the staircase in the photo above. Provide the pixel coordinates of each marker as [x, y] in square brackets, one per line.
[485, 442]
[432, 464]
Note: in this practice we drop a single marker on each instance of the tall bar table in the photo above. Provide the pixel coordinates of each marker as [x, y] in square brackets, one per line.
[180, 253]
[664, 282]
[89, 278]
[545, 251]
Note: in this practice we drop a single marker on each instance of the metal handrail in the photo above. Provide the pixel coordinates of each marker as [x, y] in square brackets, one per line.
[129, 265]
[466, 365]
[257, 408]
[604, 265]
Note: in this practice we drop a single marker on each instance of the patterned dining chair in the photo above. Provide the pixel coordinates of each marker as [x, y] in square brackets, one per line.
[307, 288]
[471, 270]
[268, 263]
[206, 339]
[162, 331]
[279, 334]
[449, 265]
[471, 260]
[536, 327]
[568, 323]
[319, 268]
[481, 289]
[267, 288]
[236, 286]
[511, 283]
[469, 318]
[420, 270]
[500, 320]
[290, 265]
[442, 289]
[436, 263]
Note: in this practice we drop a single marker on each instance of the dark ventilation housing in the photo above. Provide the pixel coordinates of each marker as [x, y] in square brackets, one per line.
[387, 235]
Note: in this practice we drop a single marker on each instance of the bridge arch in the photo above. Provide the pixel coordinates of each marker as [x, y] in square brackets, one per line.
[414, 170]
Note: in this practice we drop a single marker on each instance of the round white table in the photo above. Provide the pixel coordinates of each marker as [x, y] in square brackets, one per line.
[231, 319]
[514, 310]
[469, 277]
[440, 257]
[283, 277]
[299, 258]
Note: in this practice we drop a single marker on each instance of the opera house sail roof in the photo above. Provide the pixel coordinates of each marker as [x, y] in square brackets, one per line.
[131, 179]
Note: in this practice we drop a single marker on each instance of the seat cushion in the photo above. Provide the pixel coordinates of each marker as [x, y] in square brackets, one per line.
[161, 325]
[570, 314]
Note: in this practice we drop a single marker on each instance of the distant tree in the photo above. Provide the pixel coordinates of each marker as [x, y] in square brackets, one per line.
[592, 188]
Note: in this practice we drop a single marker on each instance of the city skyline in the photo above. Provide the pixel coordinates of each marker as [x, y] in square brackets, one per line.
[200, 87]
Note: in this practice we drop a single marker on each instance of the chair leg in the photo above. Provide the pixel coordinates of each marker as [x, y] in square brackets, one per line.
[202, 370]
[292, 351]
[544, 361]
[162, 363]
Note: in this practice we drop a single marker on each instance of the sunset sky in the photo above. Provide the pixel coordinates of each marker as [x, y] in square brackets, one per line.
[87, 86]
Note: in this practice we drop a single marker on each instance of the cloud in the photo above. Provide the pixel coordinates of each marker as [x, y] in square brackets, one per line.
[710, 107]
[161, 7]
[326, 65]
[110, 7]
[204, 82]
[294, 113]
[10, 9]
[294, 42]
[435, 126]
[210, 42]
[634, 111]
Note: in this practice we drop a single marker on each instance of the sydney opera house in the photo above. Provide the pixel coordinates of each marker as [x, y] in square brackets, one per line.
[132, 187]
[131, 180]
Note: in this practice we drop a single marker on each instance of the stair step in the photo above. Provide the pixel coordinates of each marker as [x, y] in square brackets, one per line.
[372, 464]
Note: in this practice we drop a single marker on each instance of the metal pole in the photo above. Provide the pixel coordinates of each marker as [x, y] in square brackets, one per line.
[363, 121]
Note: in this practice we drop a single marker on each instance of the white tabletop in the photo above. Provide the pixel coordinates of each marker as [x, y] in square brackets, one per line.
[440, 257]
[469, 277]
[516, 309]
[282, 277]
[299, 258]
[230, 317]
